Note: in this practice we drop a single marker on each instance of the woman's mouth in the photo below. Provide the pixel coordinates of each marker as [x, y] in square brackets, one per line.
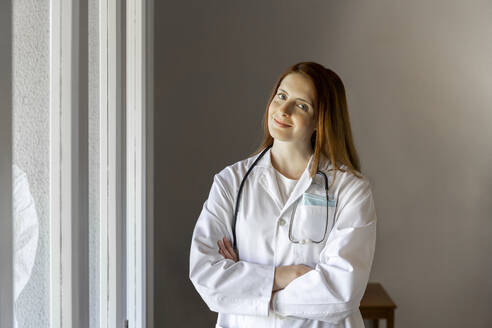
[281, 124]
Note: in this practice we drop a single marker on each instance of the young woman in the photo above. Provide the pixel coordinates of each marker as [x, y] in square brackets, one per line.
[286, 237]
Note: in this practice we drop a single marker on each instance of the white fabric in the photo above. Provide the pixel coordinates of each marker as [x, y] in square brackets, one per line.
[26, 231]
[329, 295]
[285, 185]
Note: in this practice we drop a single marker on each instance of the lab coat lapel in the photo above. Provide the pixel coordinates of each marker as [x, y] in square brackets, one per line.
[269, 182]
[302, 185]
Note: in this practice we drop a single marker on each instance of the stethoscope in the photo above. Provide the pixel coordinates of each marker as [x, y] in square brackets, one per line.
[303, 241]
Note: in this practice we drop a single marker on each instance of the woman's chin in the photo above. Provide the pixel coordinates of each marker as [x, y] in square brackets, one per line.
[282, 138]
[280, 134]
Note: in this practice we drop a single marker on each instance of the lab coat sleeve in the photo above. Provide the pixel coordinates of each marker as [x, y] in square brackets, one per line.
[334, 288]
[226, 286]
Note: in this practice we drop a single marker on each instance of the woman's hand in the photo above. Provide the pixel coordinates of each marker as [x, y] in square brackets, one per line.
[283, 274]
[286, 273]
[226, 250]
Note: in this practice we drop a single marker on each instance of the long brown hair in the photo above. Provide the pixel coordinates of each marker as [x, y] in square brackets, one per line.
[333, 135]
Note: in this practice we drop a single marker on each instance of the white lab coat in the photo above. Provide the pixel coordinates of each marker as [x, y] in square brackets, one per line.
[241, 292]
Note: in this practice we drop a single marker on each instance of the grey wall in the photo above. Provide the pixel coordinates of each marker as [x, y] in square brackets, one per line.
[6, 222]
[418, 76]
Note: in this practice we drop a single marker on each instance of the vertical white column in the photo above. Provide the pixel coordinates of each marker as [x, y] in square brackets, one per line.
[131, 165]
[69, 281]
[139, 164]
[103, 165]
[55, 163]
[112, 216]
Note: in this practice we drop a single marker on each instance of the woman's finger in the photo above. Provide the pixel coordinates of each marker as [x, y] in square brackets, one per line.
[223, 251]
[229, 248]
[227, 252]
[227, 243]
[221, 247]
[231, 251]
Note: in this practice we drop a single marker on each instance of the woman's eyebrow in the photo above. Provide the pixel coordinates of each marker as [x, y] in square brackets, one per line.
[297, 98]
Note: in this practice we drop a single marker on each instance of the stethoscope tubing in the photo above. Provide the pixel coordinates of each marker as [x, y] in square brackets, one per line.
[241, 189]
[239, 194]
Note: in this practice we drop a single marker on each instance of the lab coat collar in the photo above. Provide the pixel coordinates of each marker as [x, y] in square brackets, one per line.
[269, 182]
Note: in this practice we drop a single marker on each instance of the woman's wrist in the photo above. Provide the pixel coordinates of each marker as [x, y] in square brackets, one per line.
[286, 273]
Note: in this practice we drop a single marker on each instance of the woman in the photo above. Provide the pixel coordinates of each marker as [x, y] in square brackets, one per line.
[296, 255]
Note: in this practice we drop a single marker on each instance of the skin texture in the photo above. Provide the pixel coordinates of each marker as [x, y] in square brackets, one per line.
[291, 148]
[290, 153]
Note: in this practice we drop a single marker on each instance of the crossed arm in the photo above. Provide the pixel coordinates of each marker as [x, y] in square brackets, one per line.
[283, 274]
[328, 292]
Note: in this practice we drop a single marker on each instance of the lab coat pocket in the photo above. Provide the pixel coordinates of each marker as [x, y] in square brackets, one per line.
[313, 219]
[311, 226]
[309, 223]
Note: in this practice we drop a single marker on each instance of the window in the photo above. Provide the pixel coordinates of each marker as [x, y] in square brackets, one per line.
[80, 203]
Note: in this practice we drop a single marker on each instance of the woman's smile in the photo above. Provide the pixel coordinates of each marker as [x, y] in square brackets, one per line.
[281, 124]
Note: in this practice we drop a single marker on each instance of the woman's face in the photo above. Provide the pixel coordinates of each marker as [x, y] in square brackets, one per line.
[293, 106]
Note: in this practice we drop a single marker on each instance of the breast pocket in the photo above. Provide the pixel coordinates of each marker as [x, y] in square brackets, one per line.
[313, 218]
[311, 224]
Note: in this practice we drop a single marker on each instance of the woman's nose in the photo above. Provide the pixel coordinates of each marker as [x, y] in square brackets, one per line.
[285, 108]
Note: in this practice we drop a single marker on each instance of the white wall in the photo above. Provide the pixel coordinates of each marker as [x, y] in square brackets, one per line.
[31, 141]
[418, 79]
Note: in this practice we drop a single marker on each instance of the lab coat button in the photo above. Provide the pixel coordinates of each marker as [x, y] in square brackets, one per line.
[281, 222]
[302, 241]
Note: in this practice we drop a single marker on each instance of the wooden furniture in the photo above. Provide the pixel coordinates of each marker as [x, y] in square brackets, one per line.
[376, 304]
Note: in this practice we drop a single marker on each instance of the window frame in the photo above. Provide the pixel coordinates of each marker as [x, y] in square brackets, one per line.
[68, 231]
[140, 176]
[69, 174]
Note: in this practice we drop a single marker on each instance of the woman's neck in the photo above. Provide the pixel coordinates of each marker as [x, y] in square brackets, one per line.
[290, 160]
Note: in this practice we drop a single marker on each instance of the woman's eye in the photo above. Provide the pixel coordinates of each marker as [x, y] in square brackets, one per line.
[303, 107]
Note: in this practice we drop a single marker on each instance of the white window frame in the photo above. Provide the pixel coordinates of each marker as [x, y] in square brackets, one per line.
[112, 179]
[69, 301]
[69, 250]
[139, 114]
